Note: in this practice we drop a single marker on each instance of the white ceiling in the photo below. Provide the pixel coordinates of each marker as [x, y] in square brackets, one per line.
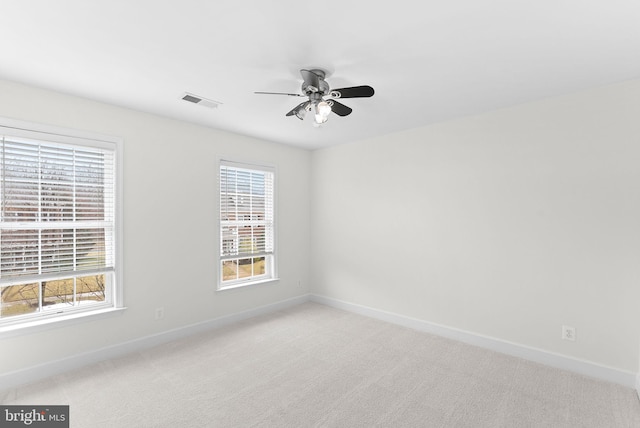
[429, 61]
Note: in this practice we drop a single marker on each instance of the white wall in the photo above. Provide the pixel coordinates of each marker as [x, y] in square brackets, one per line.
[169, 223]
[508, 224]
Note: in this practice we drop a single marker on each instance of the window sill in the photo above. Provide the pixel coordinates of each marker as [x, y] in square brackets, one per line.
[247, 284]
[43, 324]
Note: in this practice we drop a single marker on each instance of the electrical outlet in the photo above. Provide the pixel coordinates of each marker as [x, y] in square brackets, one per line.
[568, 333]
[159, 313]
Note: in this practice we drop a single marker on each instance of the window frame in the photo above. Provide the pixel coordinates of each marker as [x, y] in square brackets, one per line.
[74, 314]
[271, 267]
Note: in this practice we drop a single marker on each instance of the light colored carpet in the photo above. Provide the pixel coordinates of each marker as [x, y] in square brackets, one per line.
[315, 366]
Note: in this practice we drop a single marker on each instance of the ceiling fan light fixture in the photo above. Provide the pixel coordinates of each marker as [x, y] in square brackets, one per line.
[301, 113]
[323, 110]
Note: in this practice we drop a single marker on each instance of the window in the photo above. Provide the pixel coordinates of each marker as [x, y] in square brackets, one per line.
[57, 224]
[246, 224]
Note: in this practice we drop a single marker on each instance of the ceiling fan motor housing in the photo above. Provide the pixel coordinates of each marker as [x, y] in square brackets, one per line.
[309, 88]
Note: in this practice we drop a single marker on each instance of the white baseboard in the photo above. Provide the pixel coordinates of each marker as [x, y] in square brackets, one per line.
[587, 368]
[16, 378]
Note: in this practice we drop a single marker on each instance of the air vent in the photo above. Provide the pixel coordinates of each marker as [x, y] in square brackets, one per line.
[200, 100]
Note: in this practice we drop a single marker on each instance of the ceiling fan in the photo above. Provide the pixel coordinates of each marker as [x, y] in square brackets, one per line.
[322, 99]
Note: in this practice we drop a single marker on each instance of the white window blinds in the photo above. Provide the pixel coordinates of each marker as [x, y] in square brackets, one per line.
[57, 213]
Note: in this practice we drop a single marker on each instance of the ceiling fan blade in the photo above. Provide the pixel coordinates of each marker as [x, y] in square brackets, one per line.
[339, 108]
[299, 111]
[310, 79]
[353, 92]
[280, 93]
